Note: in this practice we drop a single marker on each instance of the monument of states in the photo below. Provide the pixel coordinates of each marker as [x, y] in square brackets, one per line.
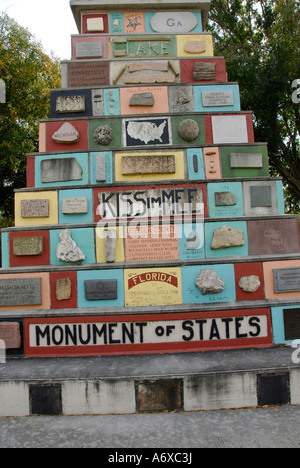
[149, 230]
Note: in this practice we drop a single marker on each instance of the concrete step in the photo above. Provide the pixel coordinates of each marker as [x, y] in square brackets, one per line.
[150, 383]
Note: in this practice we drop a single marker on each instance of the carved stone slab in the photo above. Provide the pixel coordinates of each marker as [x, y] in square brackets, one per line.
[66, 104]
[164, 164]
[101, 290]
[74, 205]
[26, 246]
[60, 170]
[20, 291]
[34, 208]
[286, 280]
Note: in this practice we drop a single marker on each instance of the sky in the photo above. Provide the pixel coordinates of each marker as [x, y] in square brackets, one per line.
[50, 21]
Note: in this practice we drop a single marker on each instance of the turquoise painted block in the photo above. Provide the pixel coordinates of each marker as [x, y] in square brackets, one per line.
[149, 15]
[80, 217]
[236, 188]
[184, 230]
[111, 102]
[109, 168]
[81, 158]
[84, 239]
[238, 251]
[280, 197]
[83, 276]
[200, 103]
[278, 324]
[116, 23]
[192, 295]
[5, 249]
[195, 163]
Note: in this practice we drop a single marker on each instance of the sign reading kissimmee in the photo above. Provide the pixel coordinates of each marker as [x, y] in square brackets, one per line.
[88, 336]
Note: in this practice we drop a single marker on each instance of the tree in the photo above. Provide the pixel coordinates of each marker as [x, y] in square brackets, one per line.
[260, 40]
[29, 73]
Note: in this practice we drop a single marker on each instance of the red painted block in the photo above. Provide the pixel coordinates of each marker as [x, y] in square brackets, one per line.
[187, 70]
[30, 260]
[61, 283]
[80, 125]
[249, 269]
[30, 171]
[85, 19]
[144, 334]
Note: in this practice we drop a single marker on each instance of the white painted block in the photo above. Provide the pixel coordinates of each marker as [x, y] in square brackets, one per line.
[229, 129]
[98, 397]
[14, 399]
[220, 391]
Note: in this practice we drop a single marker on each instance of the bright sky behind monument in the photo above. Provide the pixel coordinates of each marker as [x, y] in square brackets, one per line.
[51, 22]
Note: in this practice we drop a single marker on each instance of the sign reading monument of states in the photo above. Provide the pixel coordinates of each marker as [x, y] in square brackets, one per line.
[88, 336]
[148, 202]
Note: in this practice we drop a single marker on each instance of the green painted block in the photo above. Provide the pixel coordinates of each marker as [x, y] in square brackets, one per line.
[251, 166]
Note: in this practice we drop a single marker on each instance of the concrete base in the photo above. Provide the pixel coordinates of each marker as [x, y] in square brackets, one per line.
[149, 383]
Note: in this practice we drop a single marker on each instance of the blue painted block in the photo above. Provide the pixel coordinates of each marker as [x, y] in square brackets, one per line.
[149, 15]
[234, 188]
[195, 164]
[116, 23]
[83, 276]
[238, 251]
[232, 94]
[78, 217]
[85, 240]
[279, 336]
[184, 230]
[112, 102]
[81, 158]
[5, 249]
[109, 168]
[280, 197]
[192, 295]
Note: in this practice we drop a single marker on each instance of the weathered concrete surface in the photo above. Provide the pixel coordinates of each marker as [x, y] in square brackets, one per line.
[276, 427]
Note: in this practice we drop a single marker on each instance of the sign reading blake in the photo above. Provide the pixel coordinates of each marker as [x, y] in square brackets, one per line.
[88, 336]
[148, 202]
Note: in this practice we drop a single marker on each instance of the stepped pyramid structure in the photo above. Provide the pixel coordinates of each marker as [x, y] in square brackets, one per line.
[149, 223]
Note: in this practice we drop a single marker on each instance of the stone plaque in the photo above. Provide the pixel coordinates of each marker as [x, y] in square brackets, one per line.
[101, 290]
[86, 74]
[74, 205]
[286, 280]
[63, 289]
[261, 196]
[164, 164]
[20, 292]
[10, 334]
[152, 243]
[26, 246]
[34, 208]
[142, 99]
[66, 135]
[129, 47]
[246, 160]
[60, 170]
[268, 237]
[291, 319]
[66, 104]
[217, 98]
[101, 167]
[89, 49]
[174, 22]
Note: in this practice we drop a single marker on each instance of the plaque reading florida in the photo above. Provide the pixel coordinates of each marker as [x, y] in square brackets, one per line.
[148, 287]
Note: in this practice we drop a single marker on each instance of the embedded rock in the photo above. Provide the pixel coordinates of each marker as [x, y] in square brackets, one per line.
[67, 250]
[110, 242]
[189, 130]
[250, 284]
[193, 241]
[103, 135]
[208, 282]
[226, 237]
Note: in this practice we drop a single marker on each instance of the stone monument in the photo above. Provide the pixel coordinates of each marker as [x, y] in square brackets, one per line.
[149, 223]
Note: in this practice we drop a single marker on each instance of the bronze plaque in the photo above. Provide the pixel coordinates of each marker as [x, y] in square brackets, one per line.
[85, 74]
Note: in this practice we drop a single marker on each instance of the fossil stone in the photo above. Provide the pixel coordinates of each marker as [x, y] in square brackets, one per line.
[193, 241]
[227, 237]
[250, 284]
[189, 130]
[110, 242]
[209, 282]
[67, 250]
[103, 135]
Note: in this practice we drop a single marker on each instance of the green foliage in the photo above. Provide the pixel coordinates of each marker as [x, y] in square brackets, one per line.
[261, 42]
[29, 73]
